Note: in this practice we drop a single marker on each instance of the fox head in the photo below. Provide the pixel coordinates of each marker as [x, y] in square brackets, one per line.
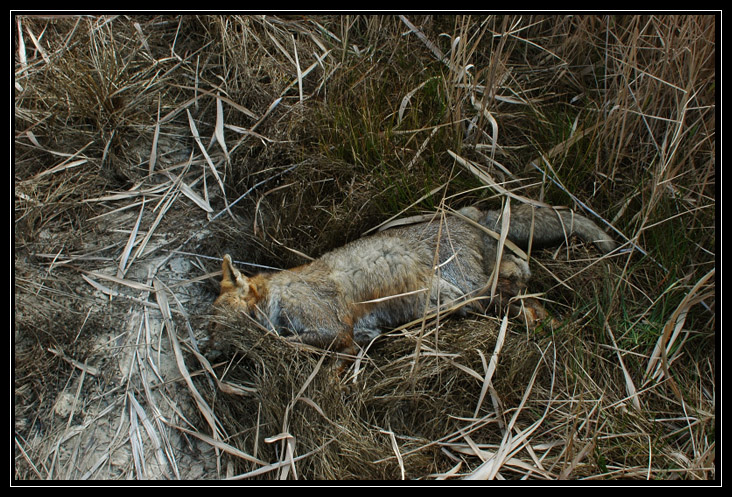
[239, 296]
[238, 292]
[235, 308]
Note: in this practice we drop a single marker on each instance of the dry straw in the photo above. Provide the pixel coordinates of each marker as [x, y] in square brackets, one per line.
[146, 147]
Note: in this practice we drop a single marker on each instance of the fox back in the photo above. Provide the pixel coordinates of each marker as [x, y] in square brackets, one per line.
[376, 283]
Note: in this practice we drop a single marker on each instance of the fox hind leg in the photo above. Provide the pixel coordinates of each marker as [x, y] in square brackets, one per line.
[513, 277]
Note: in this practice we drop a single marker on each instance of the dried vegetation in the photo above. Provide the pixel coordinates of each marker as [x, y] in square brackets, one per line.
[146, 147]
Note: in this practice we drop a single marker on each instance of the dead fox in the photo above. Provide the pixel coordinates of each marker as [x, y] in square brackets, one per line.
[379, 282]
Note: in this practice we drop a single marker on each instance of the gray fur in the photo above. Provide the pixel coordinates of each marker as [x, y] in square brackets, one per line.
[385, 280]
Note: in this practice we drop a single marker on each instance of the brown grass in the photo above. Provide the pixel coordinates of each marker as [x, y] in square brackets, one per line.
[146, 147]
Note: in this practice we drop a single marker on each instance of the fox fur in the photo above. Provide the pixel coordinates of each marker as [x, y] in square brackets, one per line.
[379, 282]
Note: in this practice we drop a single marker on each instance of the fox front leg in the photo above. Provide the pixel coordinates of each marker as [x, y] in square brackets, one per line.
[340, 341]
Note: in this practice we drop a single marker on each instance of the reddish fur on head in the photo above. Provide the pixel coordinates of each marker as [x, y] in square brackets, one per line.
[237, 289]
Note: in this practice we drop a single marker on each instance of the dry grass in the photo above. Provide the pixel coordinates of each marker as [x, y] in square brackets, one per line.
[146, 147]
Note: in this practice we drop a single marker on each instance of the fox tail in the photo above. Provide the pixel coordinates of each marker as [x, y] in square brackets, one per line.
[545, 227]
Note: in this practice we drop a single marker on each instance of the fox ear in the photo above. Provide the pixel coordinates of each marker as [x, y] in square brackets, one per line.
[231, 278]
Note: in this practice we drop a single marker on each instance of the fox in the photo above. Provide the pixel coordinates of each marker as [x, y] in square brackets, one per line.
[351, 295]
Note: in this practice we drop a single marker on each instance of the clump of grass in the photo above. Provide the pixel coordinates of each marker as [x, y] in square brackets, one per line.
[393, 420]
